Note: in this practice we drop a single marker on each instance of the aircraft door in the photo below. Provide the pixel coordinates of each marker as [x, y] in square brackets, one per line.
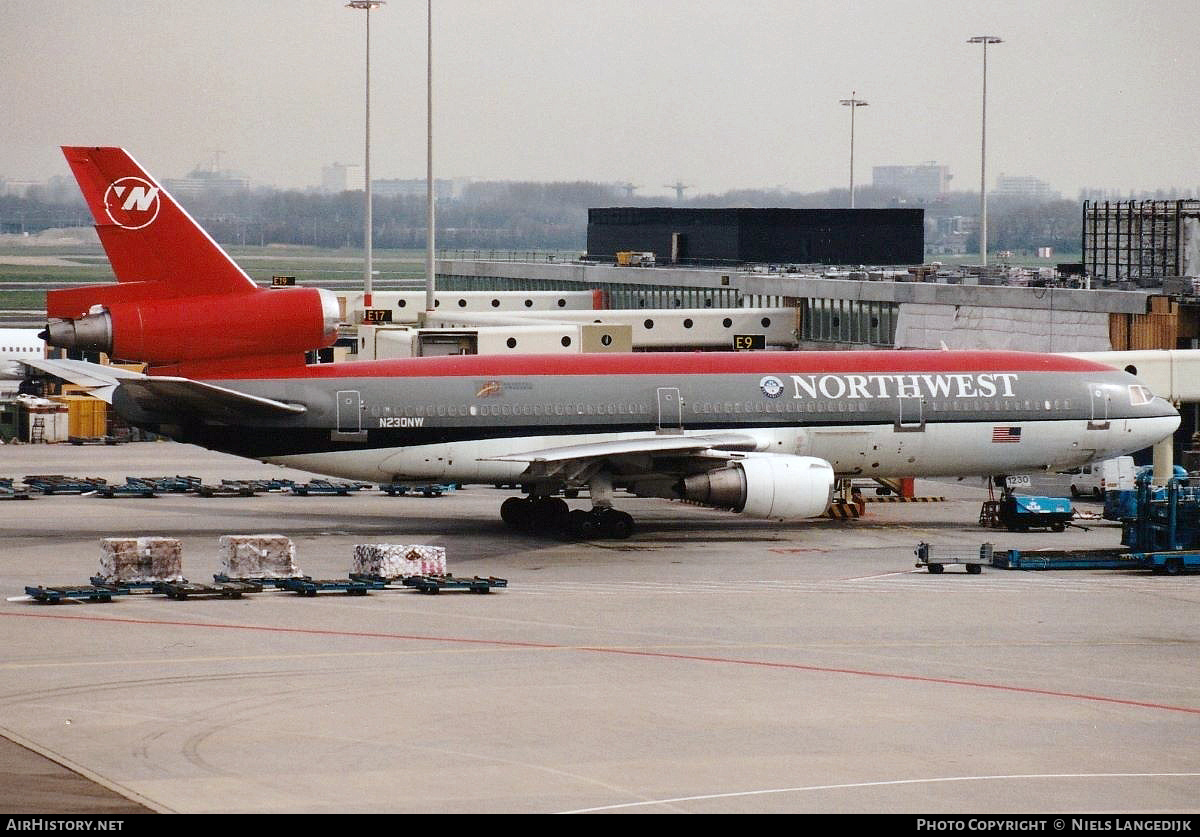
[1100, 396]
[911, 415]
[349, 411]
[670, 410]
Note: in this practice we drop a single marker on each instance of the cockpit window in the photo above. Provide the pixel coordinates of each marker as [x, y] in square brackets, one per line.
[1139, 394]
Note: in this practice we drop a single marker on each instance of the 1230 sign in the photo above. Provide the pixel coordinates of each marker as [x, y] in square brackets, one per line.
[749, 342]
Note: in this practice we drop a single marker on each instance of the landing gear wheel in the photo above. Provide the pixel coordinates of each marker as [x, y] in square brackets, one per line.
[548, 514]
[515, 511]
[581, 524]
[615, 524]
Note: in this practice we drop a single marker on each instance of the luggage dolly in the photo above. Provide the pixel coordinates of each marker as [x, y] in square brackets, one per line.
[221, 578]
[76, 592]
[180, 590]
[973, 563]
[310, 587]
[131, 587]
[438, 583]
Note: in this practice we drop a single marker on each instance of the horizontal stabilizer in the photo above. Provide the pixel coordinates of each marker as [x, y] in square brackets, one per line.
[182, 399]
[169, 399]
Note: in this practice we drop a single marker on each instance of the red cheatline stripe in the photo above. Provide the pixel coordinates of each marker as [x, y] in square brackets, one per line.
[661, 655]
[691, 363]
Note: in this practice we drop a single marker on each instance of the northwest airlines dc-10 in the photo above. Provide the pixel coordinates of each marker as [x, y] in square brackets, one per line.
[761, 433]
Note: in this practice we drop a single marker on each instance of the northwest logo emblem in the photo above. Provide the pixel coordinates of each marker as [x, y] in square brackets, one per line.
[132, 202]
[771, 386]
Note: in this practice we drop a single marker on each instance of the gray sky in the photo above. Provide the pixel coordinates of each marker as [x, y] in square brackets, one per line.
[721, 95]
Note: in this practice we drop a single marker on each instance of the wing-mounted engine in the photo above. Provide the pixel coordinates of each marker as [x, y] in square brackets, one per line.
[775, 486]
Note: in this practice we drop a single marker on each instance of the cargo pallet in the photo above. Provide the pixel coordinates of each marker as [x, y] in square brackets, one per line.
[171, 485]
[181, 590]
[1065, 559]
[76, 592]
[936, 562]
[131, 488]
[221, 578]
[438, 583]
[1168, 563]
[59, 484]
[7, 492]
[310, 587]
[396, 489]
[126, 586]
[327, 488]
[266, 485]
[226, 489]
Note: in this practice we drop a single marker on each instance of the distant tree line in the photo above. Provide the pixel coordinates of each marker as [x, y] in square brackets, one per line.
[515, 215]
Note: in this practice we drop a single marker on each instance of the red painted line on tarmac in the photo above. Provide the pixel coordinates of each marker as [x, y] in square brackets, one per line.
[269, 629]
[660, 655]
[945, 681]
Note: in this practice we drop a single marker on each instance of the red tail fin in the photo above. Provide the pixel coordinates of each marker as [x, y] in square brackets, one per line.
[180, 303]
[145, 233]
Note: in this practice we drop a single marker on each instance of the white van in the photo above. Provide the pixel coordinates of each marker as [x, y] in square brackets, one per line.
[1097, 477]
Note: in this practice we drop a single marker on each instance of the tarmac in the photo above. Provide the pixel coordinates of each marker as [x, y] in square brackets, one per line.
[708, 664]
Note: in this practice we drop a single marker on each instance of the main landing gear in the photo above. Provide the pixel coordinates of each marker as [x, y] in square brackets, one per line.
[551, 516]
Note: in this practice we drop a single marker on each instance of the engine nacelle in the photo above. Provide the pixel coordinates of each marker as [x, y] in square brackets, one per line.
[162, 331]
[775, 486]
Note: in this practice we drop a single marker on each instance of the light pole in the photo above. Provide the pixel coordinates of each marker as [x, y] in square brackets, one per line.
[429, 271]
[985, 40]
[367, 6]
[852, 103]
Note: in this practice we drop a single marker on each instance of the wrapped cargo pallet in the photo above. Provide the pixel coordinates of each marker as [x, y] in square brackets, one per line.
[258, 556]
[141, 559]
[399, 560]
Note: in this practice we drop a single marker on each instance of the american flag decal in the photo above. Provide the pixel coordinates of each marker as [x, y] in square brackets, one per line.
[1006, 434]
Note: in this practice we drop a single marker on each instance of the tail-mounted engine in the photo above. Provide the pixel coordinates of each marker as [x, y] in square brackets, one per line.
[184, 330]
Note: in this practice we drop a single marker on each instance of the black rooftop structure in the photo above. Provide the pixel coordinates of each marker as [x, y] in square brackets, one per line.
[772, 236]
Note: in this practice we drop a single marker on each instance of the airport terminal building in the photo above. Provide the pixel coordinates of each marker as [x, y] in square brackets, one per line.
[765, 236]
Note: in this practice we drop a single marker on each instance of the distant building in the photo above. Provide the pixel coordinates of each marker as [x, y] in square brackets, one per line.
[1023, 187]
[16, 187]
[338, 177]
[442, 189]
[202, 182]
[1141, 241]
[1095, 195]
[927, 180]
[765, 236]
[947, 235]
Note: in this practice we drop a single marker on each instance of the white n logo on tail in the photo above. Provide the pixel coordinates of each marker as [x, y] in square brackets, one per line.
[132, 203]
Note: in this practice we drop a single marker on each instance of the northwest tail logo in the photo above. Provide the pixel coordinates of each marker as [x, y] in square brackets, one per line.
[132, 202]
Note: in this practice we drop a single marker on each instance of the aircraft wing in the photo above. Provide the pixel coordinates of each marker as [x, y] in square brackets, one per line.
[625, 455]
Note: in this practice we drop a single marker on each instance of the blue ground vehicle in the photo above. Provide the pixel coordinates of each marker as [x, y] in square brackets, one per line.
[1020, 513]
[1120, 504]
